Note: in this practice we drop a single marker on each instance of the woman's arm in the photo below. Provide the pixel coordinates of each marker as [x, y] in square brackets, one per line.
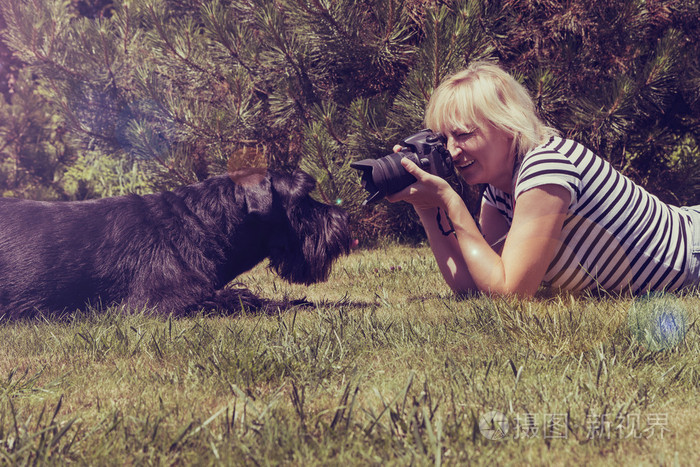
[446, 251]
[494, 226]
[468, 262]
[446, 248]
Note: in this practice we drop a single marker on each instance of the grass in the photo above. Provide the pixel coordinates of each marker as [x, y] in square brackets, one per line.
[388, 368]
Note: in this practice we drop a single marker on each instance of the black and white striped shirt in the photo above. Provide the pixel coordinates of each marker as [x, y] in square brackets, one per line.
[616, 236]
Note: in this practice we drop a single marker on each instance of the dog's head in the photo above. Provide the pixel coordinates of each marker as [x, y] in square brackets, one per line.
[305, 236]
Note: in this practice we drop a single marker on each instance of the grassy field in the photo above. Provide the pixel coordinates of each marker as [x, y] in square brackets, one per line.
[388, 368]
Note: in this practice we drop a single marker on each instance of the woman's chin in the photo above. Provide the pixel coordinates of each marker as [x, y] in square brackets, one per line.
[470, 176]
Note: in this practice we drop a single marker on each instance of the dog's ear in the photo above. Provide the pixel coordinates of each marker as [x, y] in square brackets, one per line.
[294, 187]
[253, 187]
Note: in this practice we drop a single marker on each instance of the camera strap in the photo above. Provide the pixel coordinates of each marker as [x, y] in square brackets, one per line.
[449, 221]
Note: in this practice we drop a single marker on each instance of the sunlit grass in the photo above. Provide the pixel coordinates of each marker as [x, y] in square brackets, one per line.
[388, 368]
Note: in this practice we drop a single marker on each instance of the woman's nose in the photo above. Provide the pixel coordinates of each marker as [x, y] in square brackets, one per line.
[453, 147]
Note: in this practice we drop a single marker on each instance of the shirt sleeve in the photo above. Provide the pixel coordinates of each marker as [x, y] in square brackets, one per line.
[549, 168]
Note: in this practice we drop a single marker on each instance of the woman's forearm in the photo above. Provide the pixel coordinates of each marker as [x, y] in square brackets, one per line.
[446, 250]
[485, 266]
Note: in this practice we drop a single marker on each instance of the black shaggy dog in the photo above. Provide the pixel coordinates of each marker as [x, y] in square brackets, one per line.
[174, 251]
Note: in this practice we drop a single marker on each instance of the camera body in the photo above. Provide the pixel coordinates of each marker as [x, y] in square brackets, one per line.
[386, 176]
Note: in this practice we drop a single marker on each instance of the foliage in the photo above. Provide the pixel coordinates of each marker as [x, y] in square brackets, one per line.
[620, 76]
[33, 146]
[171, 92]
[389, 367]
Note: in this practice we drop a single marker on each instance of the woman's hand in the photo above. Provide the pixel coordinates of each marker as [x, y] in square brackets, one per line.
[429, 191]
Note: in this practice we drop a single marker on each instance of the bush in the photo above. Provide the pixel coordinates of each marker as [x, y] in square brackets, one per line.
[179, 91]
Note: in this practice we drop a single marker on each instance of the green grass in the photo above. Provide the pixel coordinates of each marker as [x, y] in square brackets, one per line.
[389, 368]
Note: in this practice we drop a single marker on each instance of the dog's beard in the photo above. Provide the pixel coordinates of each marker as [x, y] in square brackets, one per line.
[320, 235]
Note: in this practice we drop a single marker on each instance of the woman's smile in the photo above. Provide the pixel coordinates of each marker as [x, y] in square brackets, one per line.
[464, 164]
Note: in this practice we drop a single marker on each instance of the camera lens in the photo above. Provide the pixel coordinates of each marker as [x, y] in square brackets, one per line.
[390, 172]
[384, 176]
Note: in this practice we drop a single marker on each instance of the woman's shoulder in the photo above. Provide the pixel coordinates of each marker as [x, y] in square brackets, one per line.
[559, 161]
[558, 156]
[565, 151]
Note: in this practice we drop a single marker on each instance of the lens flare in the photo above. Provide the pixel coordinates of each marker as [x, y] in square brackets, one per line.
[658, 321]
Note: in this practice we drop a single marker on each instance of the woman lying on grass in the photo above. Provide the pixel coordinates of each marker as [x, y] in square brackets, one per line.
[553, 213]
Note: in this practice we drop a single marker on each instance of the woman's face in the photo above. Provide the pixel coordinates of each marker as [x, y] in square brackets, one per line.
[482, 155]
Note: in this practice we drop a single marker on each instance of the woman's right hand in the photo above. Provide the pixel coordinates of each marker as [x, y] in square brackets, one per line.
[427, 192]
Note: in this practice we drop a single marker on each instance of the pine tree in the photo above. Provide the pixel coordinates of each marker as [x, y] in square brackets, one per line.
[32, 146]
[147, 94]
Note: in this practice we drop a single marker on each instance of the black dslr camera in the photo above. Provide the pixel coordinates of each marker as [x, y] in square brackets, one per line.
[386, 175]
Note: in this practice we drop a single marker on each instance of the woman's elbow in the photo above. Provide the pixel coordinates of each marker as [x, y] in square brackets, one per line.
[518, 290]
[498, 290]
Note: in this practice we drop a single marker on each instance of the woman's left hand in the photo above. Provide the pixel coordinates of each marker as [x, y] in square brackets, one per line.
[429, 191]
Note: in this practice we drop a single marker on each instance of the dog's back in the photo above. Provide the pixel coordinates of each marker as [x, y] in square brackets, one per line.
[56, 255]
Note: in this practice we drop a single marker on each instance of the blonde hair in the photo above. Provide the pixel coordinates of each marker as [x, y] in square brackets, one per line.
[484, 93]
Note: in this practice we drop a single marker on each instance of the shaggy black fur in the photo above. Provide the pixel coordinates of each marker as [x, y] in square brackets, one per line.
[174, 251]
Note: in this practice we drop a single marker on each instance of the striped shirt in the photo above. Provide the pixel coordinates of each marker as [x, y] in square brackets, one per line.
[616, 235]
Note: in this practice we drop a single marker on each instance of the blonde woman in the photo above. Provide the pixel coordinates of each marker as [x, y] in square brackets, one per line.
[553, 213]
